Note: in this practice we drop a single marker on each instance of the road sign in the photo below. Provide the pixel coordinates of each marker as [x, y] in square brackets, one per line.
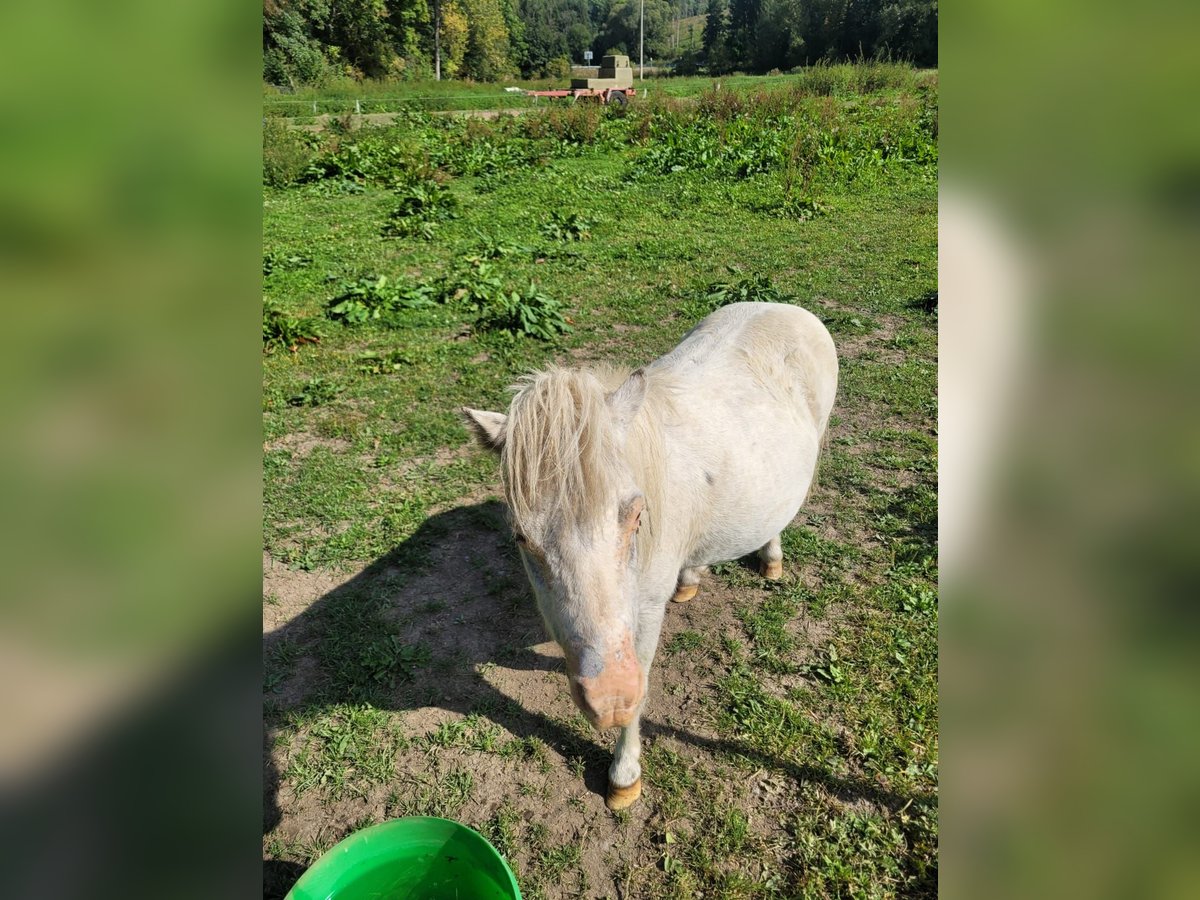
[587, 55]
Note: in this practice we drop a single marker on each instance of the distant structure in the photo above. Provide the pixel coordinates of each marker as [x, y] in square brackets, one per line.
[615, 72]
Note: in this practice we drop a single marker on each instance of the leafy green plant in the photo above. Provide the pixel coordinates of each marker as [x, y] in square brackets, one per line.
[389, 660]
[566, 227]
[420, 206]
[335, 187]
[281, 329]
[528, 312]
[274, 260]
[371, 362]
[751, 289]
[477, 287]
[379, 156]
[376, 300]
[803, 208]
[492, 247]
[827, 668]
[314, 392]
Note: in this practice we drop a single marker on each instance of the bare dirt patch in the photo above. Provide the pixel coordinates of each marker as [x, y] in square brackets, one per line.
[288, 592]
[302, 443]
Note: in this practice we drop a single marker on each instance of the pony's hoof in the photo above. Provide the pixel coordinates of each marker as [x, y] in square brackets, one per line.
[772, 569]
[685, 592]
[623, 797]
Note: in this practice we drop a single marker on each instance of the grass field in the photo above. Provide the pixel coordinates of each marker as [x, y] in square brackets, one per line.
[391, 96]
[790, 740]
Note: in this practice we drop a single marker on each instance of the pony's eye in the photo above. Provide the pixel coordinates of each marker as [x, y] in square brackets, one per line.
[520, 539]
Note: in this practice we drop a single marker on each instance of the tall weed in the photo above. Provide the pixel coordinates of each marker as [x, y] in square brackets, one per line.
[286, 154]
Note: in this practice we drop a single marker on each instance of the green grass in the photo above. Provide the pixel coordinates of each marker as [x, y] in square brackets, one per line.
[820, 775]
[338, 96]
[345, 751]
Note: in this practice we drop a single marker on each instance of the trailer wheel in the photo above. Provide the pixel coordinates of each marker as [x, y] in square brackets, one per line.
[617, 98]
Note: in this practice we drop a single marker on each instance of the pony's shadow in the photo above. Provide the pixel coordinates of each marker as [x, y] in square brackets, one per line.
[420, 628]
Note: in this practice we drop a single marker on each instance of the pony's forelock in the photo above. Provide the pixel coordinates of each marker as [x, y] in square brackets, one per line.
[563, 456]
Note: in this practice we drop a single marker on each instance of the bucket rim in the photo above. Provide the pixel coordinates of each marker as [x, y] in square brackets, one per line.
[353, 843]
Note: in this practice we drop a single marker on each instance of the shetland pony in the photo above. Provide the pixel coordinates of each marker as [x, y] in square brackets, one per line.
[622, 487]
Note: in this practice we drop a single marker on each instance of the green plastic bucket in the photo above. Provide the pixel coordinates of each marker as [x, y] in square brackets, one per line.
[416, 858]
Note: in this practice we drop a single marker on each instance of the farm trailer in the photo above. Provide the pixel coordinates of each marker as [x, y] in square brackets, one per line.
[615, 84]
[602, 95]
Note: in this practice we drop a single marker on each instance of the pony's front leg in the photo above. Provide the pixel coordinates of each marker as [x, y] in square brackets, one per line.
[625, 773]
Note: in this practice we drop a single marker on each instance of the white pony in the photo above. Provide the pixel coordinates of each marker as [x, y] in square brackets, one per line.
[622, 487]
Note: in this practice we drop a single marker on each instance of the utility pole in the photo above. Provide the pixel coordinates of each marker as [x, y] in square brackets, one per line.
[642, 44]
[437, 40]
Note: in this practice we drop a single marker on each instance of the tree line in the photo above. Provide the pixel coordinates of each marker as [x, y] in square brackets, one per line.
[307, 41]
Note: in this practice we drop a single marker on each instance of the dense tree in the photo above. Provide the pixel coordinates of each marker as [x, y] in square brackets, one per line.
[859, 31]
[777, 37]
[579, 38]
[743, 30]
[622, 27]
[716, 38]
[359, 28]
[516, 30]
[487, 57]
[304, 40]
[292, 53]
[411, 23]
[543, 43]
[554, 30]
[453, 38]
[909, 29]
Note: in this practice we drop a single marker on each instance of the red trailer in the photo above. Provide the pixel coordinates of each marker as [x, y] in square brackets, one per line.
[617, 95]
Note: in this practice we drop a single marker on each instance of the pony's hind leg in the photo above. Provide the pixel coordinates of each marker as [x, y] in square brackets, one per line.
[689, 584]
[771, 559]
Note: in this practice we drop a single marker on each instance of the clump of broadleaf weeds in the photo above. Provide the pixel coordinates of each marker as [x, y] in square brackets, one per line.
[528, 312]
[492, 247]
[314, 392]
[281, 329]
[373, 362]
[803, 208]
[376, 299]
[748, 289]
[421, 205]
[273, 261]
[565, 228]
[517, 312]
[474, 287]
[379, 156]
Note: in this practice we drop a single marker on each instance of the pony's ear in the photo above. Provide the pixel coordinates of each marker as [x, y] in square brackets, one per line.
[487, 427]
[626, 400]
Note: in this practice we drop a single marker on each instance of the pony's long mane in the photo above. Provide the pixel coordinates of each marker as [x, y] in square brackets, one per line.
[561, 454]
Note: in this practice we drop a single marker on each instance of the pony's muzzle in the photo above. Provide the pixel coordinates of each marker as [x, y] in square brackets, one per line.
[603, 709]
[612, 696]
